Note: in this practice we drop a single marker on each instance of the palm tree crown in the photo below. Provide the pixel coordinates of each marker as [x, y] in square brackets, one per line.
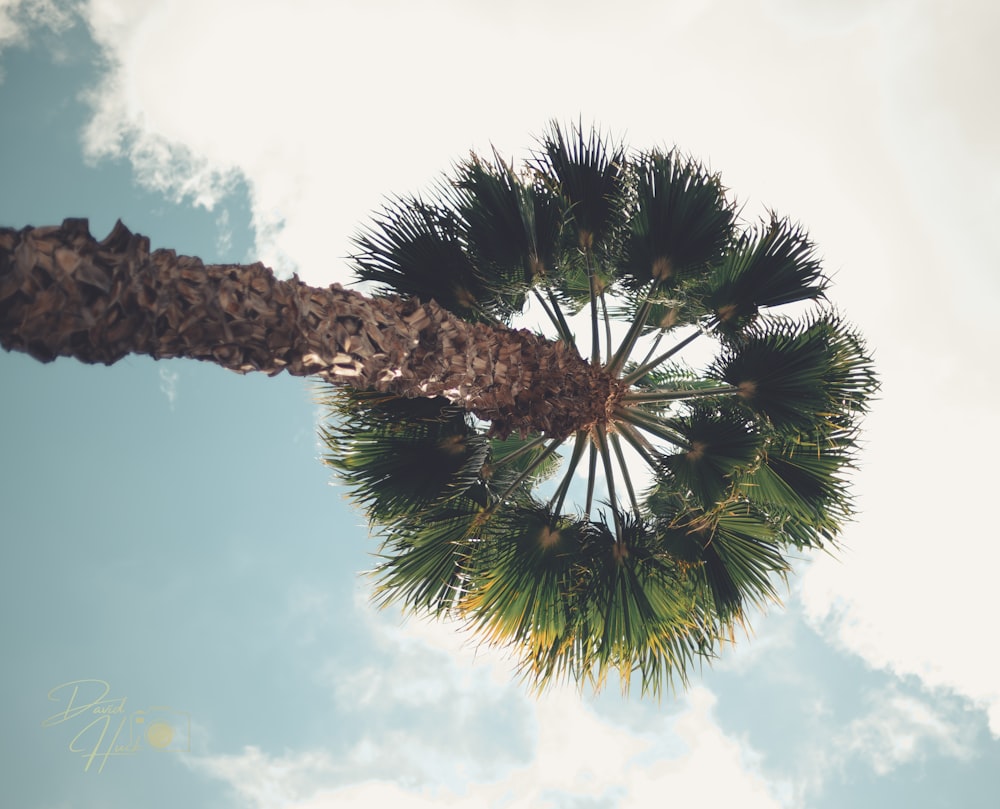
[633, 540]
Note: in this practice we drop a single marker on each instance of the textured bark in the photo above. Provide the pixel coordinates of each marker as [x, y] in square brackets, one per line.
[62, 293]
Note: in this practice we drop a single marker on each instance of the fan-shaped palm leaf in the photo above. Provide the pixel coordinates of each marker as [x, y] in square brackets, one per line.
[773, 265]
[521, 590]
[672, 376]
[426, 562]
[801, 486]
[733, 552]
[511, 457]
[659, 310]
[682, 221]
[801, 376]
[631, 611]
[720, 443]
[510, 224]
[589, 173]
[415, 248]
[639, 606]
[399, 457]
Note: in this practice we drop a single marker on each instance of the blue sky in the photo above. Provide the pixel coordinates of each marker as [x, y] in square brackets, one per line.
[168, 528]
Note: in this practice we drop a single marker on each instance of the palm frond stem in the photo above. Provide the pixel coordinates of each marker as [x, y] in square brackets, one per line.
[562, 327]
[638, 442]
[558, 322]
[635, 330]
[595, 352]
[591, 479]
[654, 346]
[525, 474]
[616, 445]
[556, 503]
[677, 395]
[651, 424]
[534, 442]
[609, 474]
[607, 322]
[639, 372]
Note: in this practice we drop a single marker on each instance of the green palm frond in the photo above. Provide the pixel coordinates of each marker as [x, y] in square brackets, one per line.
[640, 608]
[588, 171]
[521, 590]
[511, 225]
[573, 285]
[665, 310]
[742, 557]
[851, 381]
[734, 553]
[631, 611]
[426, 563]
[802, 376]
[770, 266]
[721, 443]
[415, 248]
[398, 457]
[510, 457]
[801, 486]
[682, 221]
[673, 375]
[371, 409]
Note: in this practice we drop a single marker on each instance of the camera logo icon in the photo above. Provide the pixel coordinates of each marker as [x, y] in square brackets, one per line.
[162, 728]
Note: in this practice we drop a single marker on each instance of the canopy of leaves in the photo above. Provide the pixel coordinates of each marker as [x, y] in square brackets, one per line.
[636, 547]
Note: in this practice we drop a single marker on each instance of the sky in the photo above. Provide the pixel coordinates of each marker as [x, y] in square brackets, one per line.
[176, 555]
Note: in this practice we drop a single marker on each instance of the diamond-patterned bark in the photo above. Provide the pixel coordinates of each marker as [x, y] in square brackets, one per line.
[62, 293]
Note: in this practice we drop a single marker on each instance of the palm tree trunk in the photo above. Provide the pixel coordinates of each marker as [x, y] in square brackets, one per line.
[62, 293]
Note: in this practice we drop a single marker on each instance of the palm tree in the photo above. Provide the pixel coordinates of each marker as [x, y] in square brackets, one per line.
[679, 493]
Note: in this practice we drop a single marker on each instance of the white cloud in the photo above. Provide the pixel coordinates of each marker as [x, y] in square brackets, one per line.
[168, 385]
[577, 752]
[894, 729]
[823, 17]
[224, 239]
[899, 615]
[17, 17]
[324, 108]
[900, 729]
[913, 590]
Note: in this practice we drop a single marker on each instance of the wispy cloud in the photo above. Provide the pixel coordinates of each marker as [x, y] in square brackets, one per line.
[461, 752]
[169, 380]
[224, 237]
[909, 591]
[580, 756]
[900, 729]
[894, 730]
[17, 17]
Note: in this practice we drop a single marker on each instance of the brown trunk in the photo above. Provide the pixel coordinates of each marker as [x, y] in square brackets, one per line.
[62, 293]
